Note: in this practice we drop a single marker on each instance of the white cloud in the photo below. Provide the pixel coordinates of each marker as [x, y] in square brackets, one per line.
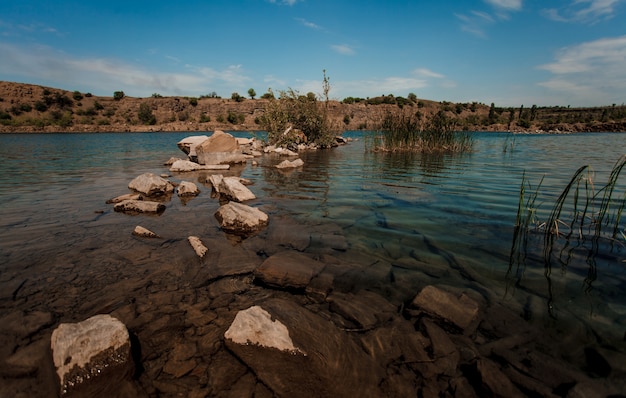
[590, 72]
[583, 11]
[308, 24]
[512, 5]
[424, 72]
[283, 2]
[100, 74]
[343, 49]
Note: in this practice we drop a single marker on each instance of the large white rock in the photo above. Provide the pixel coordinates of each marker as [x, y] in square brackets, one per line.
[188, 144]
[240, 219]
[255, 325]
[187, 165]
[234, 189]
[151, 184]
[88, 351]
[219, 148]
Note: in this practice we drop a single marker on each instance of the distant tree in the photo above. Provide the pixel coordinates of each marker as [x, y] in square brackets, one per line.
[533, 112]
[492, 113]
[145, 114]
[268, 95]
[511, 116]
[77, 95]
[118, 95]
[156, 95]
[251, 93]
[521, 109]
[236, 97]
[412, 97]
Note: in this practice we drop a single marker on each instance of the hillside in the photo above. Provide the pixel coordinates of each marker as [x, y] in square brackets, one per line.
[32, 108]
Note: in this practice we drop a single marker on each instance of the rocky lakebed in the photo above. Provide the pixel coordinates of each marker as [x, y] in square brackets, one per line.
[266, 308]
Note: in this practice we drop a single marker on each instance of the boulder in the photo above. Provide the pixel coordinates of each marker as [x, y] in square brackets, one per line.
[288, 270]
[255, 326]
[233, 189]
[286, 164]
[139, 206]
[187, 188]
[219, 148]
[151, 185]
[460, 311]
[188, 144]
[92, 356]
[240, 219]
[188, 165]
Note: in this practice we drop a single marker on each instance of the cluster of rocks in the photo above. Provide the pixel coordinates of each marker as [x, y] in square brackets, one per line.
[276, 321]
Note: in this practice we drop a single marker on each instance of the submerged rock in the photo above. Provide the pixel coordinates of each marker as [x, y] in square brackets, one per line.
[151, 184]
[286, 164]
[188, 165]
[240, 219]
[90, 356]
[288, 270]
[121, 198]
[460, 311]
[139, 206]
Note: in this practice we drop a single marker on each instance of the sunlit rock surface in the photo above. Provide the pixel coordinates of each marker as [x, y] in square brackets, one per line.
[139, 206]
[237, 218]
[151, 184]
[88, 354]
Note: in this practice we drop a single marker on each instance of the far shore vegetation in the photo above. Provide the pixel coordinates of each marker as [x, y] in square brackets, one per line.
[32, 108]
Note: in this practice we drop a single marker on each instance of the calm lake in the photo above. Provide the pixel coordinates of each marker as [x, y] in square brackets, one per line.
[447, 212]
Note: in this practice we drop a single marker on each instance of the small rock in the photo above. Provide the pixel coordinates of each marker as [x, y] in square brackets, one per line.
[187, 188]
[197, 245]
[121, 198]
[139, 206]
[187, 165]
[150, 184]
[170, 161]
[255, 325]
[143, 232]
[286, 164]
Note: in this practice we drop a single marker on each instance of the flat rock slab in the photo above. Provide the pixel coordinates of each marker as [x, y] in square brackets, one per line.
[233, 189]
[188, 188]
[365, 309]
[139, 206]
[188, 144]
[90, 356]
[187, 165]
[286, 164]
[335, 365]
[288, 270]
[460, 311]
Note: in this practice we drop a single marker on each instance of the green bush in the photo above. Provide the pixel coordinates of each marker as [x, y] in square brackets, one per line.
[145, 114]
[204, 118]
[118, 95]
[4, 116]
[193, 101]
[236, 97]
[77, 96]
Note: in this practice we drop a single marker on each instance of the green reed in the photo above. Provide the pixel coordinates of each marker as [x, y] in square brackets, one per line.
[401, 131]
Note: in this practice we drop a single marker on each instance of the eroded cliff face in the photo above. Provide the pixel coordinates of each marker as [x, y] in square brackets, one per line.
[30, 108]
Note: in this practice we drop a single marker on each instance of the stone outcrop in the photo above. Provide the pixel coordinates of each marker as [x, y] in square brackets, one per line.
[151, 184]
[188, 165]
[240, 219]
[139, 206]
[219, 148]
[89, 356]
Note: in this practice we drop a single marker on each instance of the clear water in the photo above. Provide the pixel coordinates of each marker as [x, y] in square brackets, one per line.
[455, 212]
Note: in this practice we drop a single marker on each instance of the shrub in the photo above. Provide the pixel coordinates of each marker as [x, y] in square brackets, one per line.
[193, 101]
[236, 97]
[221, 118]
[41, 106]
[204, 118]
[26, 107]
[98, 106]
[145, 114]
[235, 118]
[118, 95]
[4, 116]
[88, 95]
[157, 95]
[77, 96]
[252, 93]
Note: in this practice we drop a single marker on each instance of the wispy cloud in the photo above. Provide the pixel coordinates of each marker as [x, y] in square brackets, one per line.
[343, 49]
[283, 2]
[591, 71]
[308, 24]
[45, 63]
[424, 72]
[476, 22]
[584, 11]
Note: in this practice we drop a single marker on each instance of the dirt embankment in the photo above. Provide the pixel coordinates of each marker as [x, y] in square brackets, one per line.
[28, 108]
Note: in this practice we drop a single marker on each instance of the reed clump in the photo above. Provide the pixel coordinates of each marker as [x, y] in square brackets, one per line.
[585, 218]
[403, 131]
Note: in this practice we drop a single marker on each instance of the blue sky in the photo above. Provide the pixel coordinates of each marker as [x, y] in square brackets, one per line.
[509, 52]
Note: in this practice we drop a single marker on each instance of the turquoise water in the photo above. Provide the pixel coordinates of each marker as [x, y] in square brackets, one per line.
[448, 212]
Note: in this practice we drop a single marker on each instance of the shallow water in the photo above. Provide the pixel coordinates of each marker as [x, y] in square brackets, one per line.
[60, 242]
